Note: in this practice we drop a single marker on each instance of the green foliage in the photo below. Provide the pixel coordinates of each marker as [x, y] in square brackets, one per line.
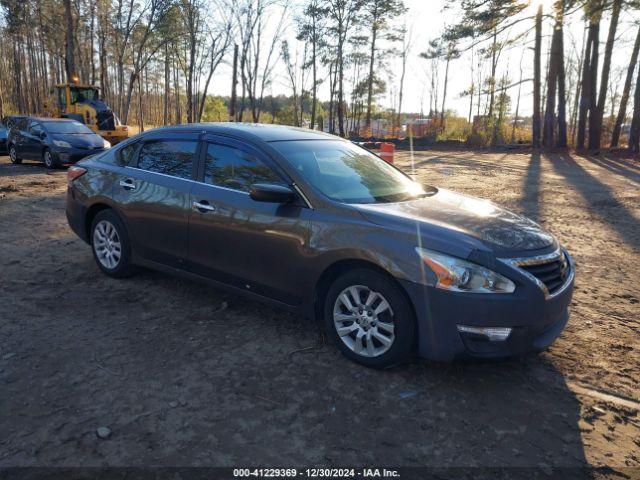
[455, 128]
[215, 110]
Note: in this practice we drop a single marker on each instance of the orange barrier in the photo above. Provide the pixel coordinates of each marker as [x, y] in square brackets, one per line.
[386, 151]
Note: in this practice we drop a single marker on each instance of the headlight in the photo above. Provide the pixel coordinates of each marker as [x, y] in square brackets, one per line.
[61, 143]
[459, 275]
[106, 143]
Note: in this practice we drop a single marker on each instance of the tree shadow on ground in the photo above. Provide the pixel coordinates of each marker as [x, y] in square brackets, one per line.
[529, 203]
[616, 166]
[599, 197]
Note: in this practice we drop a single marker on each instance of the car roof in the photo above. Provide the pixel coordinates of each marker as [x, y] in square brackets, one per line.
[259, 131]
[49, 119]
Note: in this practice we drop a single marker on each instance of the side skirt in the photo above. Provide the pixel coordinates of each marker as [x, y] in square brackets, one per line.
[214, 283]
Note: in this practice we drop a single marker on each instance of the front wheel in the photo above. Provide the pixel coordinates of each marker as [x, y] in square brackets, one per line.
[369, 319]
[48, 160]
[110, 244]
[13, 155]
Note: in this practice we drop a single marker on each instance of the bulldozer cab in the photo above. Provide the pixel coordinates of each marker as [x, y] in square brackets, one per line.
[68, 95]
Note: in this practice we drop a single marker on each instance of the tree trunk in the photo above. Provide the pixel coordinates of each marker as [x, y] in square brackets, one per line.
[190, 70]
[562, 93]
[140, 111]
[548, 130]
[401, 92]
[594, 126]
[596, 134]
[372, 59]
[91, 43]
[494, 63]
[314, 100]
[234, 86]
[634, 133]
[340, 90]
[585, 89]
[622, 112]
[517, 113]
[332, 87]
[536, 80]
[444, 93]
[69, 61]
[176, 89]
[167, 87]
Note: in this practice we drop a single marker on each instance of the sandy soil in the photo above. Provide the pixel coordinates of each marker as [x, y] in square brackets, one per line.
[185, 375]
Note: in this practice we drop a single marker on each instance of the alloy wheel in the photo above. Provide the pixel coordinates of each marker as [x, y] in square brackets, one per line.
[12, 155]
[364, 321]
[106, 244]
[48, 159]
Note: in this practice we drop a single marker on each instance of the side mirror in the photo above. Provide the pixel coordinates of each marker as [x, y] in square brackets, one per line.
[263, 192]
[42, 135]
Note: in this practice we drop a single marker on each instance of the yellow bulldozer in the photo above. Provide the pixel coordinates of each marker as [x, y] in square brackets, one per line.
[83, 103]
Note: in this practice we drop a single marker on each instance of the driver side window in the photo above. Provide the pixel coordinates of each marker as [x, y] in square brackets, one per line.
[35, 129]
[236, 169]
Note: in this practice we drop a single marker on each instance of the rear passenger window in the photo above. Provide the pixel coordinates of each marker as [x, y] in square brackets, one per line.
[126, 154]
[234, 168]
[173, 158]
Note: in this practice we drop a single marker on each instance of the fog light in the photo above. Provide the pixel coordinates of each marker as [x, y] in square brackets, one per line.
[493, 334]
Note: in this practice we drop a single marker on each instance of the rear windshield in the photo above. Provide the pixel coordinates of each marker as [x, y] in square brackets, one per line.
[66, 127]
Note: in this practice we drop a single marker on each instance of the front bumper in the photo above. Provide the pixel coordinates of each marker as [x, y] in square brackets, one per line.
[535, 319]
[73, 155]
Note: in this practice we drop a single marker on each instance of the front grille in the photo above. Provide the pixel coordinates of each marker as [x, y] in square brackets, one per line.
[552, 272]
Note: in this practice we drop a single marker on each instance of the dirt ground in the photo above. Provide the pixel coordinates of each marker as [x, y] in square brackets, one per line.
[185, 375]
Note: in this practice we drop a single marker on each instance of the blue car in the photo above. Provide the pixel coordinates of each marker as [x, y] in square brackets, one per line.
[322, 227]
[3, 138]
[53, 141]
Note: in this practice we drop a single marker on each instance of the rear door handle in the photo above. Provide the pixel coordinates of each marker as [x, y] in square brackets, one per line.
[203, 206]
[128, 184]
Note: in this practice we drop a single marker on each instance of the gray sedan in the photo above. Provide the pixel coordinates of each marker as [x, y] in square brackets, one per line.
[317, 225]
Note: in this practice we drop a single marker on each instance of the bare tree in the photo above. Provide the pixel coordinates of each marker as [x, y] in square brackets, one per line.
[622, 111]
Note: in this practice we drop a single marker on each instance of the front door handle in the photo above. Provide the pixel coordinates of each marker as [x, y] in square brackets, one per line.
[203, 206]
[128, 184]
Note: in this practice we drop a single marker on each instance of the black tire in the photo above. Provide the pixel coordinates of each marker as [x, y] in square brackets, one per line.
[48, 160]
[402, 348]
[13, 155]
[123, 267]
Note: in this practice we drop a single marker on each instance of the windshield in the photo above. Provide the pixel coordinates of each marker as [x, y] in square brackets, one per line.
[347, 173]
[82, 94]
[66, 127]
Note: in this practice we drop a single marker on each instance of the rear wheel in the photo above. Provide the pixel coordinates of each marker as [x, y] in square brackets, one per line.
[13, 155]
[369, 319]
[110, 244]
[48, 160]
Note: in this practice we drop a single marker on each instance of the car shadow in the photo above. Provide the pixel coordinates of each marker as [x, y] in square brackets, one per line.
[27, 167]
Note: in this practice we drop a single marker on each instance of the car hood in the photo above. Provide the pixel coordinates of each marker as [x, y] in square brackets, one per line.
[80, 140]
[499, 229]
